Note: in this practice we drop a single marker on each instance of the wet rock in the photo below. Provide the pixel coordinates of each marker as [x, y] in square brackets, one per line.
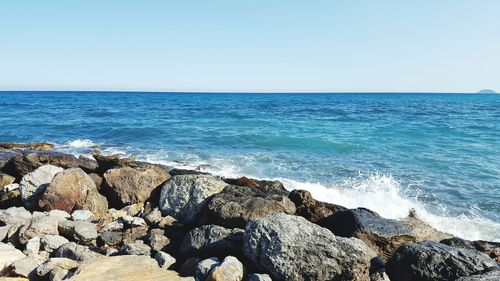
[27, 146]
[124, 268]
[125, 186]
[73, 189]
[82, 215]
[184, 196]
[136, 248]
[81, 231]
[311, 209]
[110, 238]
[8, 255]
[212, 240]
[382, 235]
[237, 205]
[231, 269]
[33, 185]
[205, 267]
[265, 186]
[22, 164]
[164, 260]
[51, 243]
[5, 180]
[492, 249]
[188, 268]
[157, 240]
[75, 252]
[259, 277]
[292, 248]
[38, 226]
[430, 260]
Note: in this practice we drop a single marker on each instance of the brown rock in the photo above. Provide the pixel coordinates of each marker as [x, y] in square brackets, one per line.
[97, 180]
[30, 146]
[73, 189]
[311, 209]
[270, 187]
[134, 233]
[5, 180]
[127, 185]
[422, 231]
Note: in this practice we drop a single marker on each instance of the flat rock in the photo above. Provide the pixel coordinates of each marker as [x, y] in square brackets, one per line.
[110, 238]
[382, 235]
[82, 231]
[82, 215]
[164, 260]
[430, 260]
[423, 231]
[52, 263]
[8, 255]
[231, 269]
[124, 268]
[15, 216]
[127, 185]
[311, 209]
[23, 267]
[38, 226]
[27, 146]
[75, 252]
[136, 248]
[212, 240]
[51, 243]
[33, 185]
[72, 189]
[184, 196]
[292, 248]
[237, 205]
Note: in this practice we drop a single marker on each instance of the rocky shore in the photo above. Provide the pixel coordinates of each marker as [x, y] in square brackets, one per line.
[113, 218]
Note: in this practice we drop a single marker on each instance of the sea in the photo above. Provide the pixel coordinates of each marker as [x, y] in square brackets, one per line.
[436, 154]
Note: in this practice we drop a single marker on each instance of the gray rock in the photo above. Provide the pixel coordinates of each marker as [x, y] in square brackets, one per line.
[212, 240]
[34, 184]
[292, 248]
[153, 217]
[24, 267]
[15, 216]
[492, 249]
[39, 225]
[382, 235]
[157, 240]
[491, 275]
[58, 274]
[134, 221]
[8, 255]
[205, 267]
[82, 231]
[135, 233]
[52, 263]
[429, 260]
[184, 196]
[60, 214]
[136, 248]
[110, 238]
[4, 230]
[237, 205]
[32, 246]
[164, 260]
[117, 225]
[231, 269]
[259, 277]
[82, 215]
[75, 252]
[51, 243]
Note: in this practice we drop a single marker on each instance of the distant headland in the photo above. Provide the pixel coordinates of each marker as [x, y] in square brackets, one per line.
[487, 91]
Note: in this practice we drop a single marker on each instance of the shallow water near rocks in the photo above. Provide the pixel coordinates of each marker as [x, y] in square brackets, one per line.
[436, 153]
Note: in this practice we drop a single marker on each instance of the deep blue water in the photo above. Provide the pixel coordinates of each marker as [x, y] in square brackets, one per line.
[436, 153]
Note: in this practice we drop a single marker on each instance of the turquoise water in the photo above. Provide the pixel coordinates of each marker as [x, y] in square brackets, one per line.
[436, 153]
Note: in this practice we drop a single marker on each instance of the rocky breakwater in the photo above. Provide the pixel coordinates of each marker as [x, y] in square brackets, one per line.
[110, 218]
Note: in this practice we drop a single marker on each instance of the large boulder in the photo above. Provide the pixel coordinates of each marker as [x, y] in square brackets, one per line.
[237, 205]
[212, 240]
[124, 268]
[428, 260]
[23, 164]
[311, 209]
[184, 196]
[292, 248]
[382, 235]
[73, 189]
[33, 185]
[127, 185]
[492, 249]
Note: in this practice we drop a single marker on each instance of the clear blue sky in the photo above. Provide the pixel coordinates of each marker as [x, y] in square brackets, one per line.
[250, 45]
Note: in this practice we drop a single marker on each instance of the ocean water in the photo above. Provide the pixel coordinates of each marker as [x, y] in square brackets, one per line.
[436, 153]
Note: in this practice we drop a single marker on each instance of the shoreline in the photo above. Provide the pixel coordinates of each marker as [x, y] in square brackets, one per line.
[141, 209]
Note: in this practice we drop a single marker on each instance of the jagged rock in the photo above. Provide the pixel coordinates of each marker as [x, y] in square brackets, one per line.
[259, 277]
[189, 266]
[265, 186]
[205, 267]
[75, 252]
[311, 209]
[21, 164]
[133, 209]
[134, 221]
[58, 274]
[23, 267]
[212, 240]
[164, 260]
[82, 215]
[492, 249]
[382, 235]
[491, 275]
[430, 260]
[38, 226]
[8, 255]
[33, 185]
[124, 268]
[157, 240]
[422, 231]
[231, 269]
[52, 263]
[153, 217]
[184, 196]
[135, 233]
[237, 205]
[292, 248]
[27, 146]
[167, 221]
[136, 248]
[82, 231]
[51, 243]
[72, 189]
[32, 246]
[125, 186]
[110, 238]
[15, 216]
[5, 180]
